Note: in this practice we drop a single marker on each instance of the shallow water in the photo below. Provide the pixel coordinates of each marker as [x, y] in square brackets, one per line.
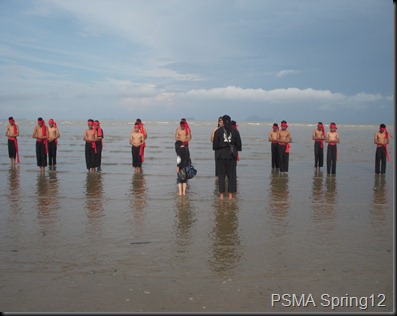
[125, 242]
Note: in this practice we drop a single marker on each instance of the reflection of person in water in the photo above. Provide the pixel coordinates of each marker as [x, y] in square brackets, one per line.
[94, 199]
[138, 200]
[47, 200]
[184, 220]
[278, 202]
[14, 185]
[226, 246]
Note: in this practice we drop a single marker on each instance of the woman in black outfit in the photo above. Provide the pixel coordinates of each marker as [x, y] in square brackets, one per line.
[224, 138]
[183, 160]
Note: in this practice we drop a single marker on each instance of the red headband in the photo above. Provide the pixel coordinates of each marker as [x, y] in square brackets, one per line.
[333, 126]
[284, 124]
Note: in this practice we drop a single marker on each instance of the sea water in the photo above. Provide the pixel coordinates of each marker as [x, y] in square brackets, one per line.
[118, 241]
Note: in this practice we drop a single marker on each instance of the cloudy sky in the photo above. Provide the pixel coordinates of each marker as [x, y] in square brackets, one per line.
[302, 61]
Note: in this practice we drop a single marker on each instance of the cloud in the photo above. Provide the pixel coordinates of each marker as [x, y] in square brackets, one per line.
[286, 72]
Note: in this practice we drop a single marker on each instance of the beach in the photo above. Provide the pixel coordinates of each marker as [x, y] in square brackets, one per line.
[117, 241]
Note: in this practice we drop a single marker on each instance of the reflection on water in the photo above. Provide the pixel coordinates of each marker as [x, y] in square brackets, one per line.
[14, 194]
[278, 203]
[94, 201]
[47, 200]
[184, 219]
[379, 202]
[226, 247]
[138, 200]
[324, 197]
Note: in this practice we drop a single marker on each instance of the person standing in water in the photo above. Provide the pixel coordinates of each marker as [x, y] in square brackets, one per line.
[99, 145]
[273, 139]
[90, 138]
[381, 140]
[12, 132]
[53, 135]
[137, 140]
[224, 139]
[183, 160]
[220, 124]
[143, 131]
[183, 133]
[332, 138]
[284, 140]
[319, 136]
[41, 133]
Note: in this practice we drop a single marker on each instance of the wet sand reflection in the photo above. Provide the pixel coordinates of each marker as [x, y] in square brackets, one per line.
[324, 198]
[14, 186]
[94, 202]
[380, 204]
[184, 220]
[138, 201]
[226, 248]
[278, 203]
[47, 201]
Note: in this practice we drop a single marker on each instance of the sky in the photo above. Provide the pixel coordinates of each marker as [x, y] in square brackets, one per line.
[255, 60]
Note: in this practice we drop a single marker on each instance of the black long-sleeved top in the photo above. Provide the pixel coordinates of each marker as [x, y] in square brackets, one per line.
[184, 155]
[222, 140]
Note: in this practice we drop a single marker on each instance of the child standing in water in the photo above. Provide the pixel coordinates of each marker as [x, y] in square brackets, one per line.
[183, 160]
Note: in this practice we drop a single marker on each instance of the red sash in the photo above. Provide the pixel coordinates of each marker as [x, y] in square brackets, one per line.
[142, 147]
[321, 141]
[93, 145]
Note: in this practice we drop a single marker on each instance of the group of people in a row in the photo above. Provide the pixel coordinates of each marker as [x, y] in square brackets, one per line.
[46, 142]
[281, 140]
[226, 143]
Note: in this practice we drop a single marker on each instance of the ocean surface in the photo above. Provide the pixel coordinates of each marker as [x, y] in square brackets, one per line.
[117, 241]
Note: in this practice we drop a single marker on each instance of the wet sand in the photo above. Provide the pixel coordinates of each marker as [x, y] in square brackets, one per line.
[116, 241]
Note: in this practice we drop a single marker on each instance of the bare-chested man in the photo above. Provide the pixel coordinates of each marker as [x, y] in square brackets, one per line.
[319, 137]
[137, 140]
[183, 133]
[90, 138]
[41, 134]
[381, 140]
[284, 140]
[332, 138]
[273, 138]
[53, 136]
[12, 132]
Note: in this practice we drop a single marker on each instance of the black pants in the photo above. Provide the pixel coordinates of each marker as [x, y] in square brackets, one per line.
[90, 159]
[318, 154]
[12, 151]
[136, 158]
[52, 153]
[380, 160]
[275, 154]
[98, 156]
[331, 158]
[227, 168]
[41, 154]
[283, 158]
